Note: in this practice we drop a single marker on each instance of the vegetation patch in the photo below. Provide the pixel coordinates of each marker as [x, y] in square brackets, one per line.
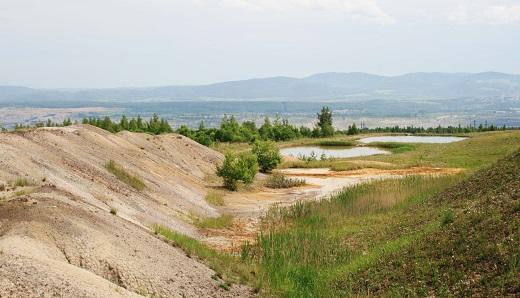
[394, 147]
[227, 267]
[215, 198]
[277, 180]
[221, 222]
[21, 182]
[447, 217]
[20, 193]
[477, 256]
[334, 143]
[125, 176]
[304, 248]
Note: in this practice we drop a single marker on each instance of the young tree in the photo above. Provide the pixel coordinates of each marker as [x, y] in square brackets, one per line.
[325, 122]
[237, 168]
[266, 130]
[267, 155]
[353, 130]
[124, 123]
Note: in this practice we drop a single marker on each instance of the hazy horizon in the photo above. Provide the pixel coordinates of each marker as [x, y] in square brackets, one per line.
[134, 43]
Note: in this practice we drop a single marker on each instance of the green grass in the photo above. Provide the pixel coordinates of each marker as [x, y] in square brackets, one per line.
[477, 255]
[394, 147]
[221, 222]
[226, 266]
[304, 248]
[340, 143]
[215, 198]
[125, 176]
[20, 193]
[479, 150]
[277, 180]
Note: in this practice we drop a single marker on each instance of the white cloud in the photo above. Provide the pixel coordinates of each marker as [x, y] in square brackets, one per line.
[491, 14]
[366, 10]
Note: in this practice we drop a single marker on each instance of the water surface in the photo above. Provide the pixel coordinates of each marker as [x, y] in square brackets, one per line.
[331, 152]
[412, 139]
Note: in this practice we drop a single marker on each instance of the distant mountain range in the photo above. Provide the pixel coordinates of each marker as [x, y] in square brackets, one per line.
[323, 86]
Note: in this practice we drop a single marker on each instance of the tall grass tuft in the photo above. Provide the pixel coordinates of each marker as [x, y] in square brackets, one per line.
[215, 198]
[277, 180]
[124, 175]
[21, 182]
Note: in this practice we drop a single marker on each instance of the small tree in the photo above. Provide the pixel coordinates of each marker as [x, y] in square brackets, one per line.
[353, 130]
[267, 155]
[237, 168]
[325, 122]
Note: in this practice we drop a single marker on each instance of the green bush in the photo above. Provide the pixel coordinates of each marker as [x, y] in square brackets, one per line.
[267, 155]
[278, 180]
[237, 168]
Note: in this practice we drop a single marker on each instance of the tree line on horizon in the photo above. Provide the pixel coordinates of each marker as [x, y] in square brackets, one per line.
[230, 130]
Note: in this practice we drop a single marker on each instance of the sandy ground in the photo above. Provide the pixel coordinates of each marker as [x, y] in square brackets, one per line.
[60, 240]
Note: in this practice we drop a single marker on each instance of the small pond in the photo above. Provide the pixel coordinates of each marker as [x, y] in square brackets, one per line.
[335, 152]
[412, 139]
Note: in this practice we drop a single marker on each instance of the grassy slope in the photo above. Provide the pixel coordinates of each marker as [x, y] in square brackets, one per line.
[477, 254]
[397, 244]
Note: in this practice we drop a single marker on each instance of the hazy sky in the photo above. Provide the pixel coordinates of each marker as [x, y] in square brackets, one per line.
[114, 43]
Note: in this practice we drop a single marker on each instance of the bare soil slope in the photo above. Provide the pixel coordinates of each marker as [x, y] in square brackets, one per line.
[61, 240]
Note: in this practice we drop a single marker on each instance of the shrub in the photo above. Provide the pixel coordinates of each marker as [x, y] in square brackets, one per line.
[517, 207]
[447, 217]
[2, 187]
[124, 176]
[267, 154]
[237, 168]
[278, 180]
[113, 211]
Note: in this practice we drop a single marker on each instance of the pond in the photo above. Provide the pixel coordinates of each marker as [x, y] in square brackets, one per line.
[335, 152]
[412, 139]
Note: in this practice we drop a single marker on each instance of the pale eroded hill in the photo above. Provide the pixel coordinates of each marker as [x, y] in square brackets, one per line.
[61, 238]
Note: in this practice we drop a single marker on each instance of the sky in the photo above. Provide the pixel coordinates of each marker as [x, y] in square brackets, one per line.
[130, 43]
